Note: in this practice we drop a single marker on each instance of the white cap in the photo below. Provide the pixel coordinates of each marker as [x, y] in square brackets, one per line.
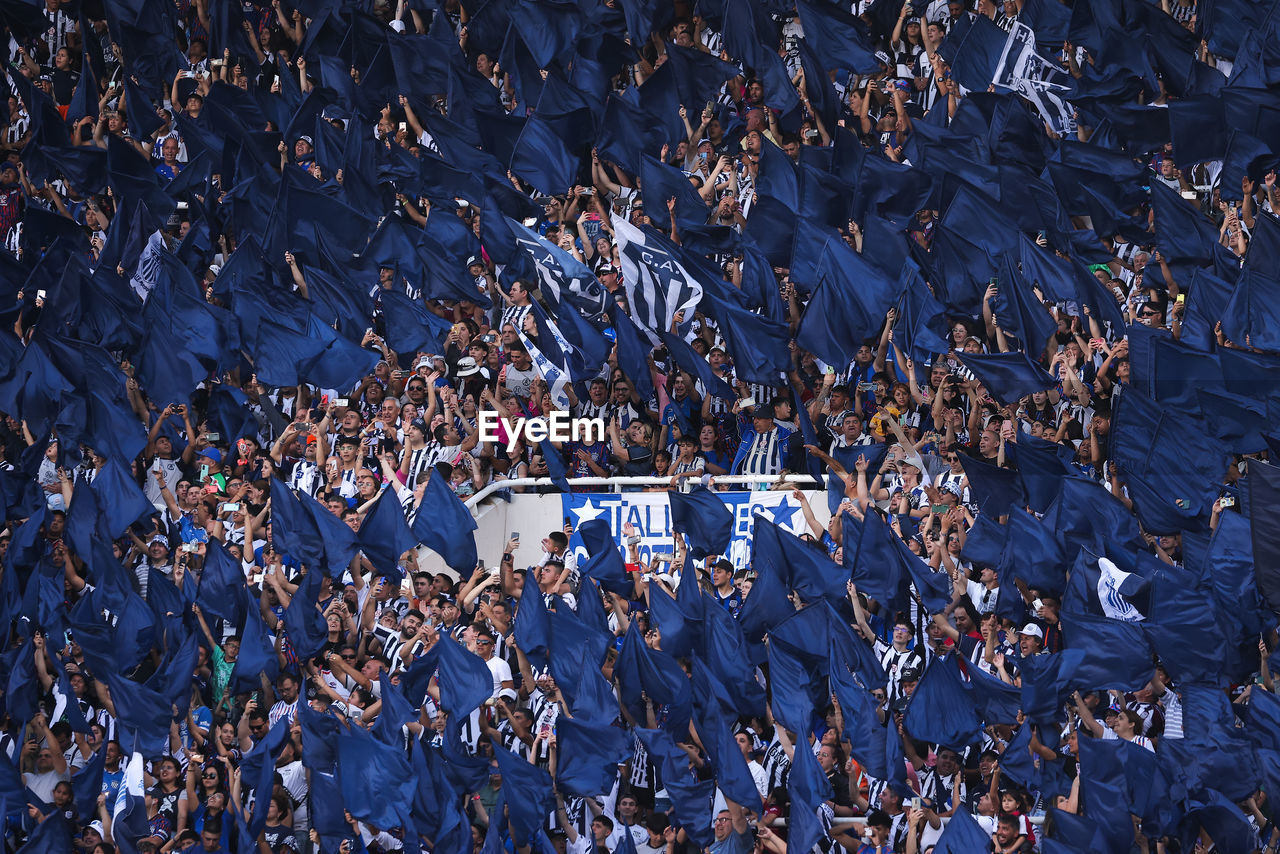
[1032, 630]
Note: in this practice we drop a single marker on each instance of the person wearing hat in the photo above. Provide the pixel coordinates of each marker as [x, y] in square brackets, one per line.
[1031, 640]
[763, 449]
[722, 589]
[209, 465]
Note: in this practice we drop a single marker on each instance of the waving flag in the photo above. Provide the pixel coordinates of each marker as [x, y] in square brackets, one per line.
[564, 279]
[657, 285]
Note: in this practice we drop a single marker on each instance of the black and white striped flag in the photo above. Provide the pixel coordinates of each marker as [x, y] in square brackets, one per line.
[657, 285]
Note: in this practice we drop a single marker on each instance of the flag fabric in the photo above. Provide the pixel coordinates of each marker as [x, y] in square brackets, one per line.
[657, 285]
[704, 519]
[384, 534]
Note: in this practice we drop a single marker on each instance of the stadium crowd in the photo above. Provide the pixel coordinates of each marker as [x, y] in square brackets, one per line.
[997, 280]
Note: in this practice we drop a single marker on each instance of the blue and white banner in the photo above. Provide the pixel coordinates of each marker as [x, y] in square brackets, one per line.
[560, 276]
[649, 513]
[556, 376]
[658, 286]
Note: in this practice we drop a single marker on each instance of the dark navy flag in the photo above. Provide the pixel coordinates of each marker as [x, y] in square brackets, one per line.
[589, 756]
[633, 350]
[122, 501]
[464, 679]
[1008, 376]
[564, 280]
[941, 709]
[870, 553]
[848, 305]
[362, 758]
[838, 38]
[305, 625]
[808, 788]
[1018, 311]
[337, 540]
[1086, 513]
[805, 567]
[1041, 465]
[1264, 492]
[725, 651]
[53, 835]
[530, 794]
[704, 519]
[713, 722]
[962, 834]
[532, 628]
[385, 535]
[257, 653]
[396, 712]
[658, 675]
[762, 612]
[678, 633]
[1116, 654]
[1031, 553]
[443, 524]
[657, 284]
[922, 320]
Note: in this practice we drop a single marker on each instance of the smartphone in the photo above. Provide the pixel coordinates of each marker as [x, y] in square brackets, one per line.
[710, 107]
[646, 576]
[324, 401]
[939, 508]
[204, 472]
[867, 386]
[480, 564]
[1097, 342]
[1037, 604]
[746, 403]
[515, 535]
[1228, 501]
[41, 294]
[916, 803]
[404, 126]
[829, 370]
[231, 507]
[213, 437]
[1181, 299]
[341, 401]
[190, 547]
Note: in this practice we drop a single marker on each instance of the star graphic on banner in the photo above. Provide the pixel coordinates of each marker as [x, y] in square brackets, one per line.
[783, 513]
[588, 511]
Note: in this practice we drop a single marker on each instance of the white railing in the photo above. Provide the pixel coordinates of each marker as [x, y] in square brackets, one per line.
[858, 820]
[726, 480]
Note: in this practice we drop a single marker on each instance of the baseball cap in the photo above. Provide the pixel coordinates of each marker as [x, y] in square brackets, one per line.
[910, 673]
[473, 260]
[467, 366]
[308, 140]
[1032, 630]
[212, 454]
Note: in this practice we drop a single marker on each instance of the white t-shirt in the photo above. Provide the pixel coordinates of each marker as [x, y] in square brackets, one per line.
[501, 673]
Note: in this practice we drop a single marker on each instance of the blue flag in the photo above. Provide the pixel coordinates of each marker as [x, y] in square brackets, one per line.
[443, 524]
[385, 535]
[941, 710]
[529, 791]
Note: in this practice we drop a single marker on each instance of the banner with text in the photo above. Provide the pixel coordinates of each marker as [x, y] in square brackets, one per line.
[649, 513]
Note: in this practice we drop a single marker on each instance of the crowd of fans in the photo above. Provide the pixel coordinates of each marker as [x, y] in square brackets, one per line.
[224, 307]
